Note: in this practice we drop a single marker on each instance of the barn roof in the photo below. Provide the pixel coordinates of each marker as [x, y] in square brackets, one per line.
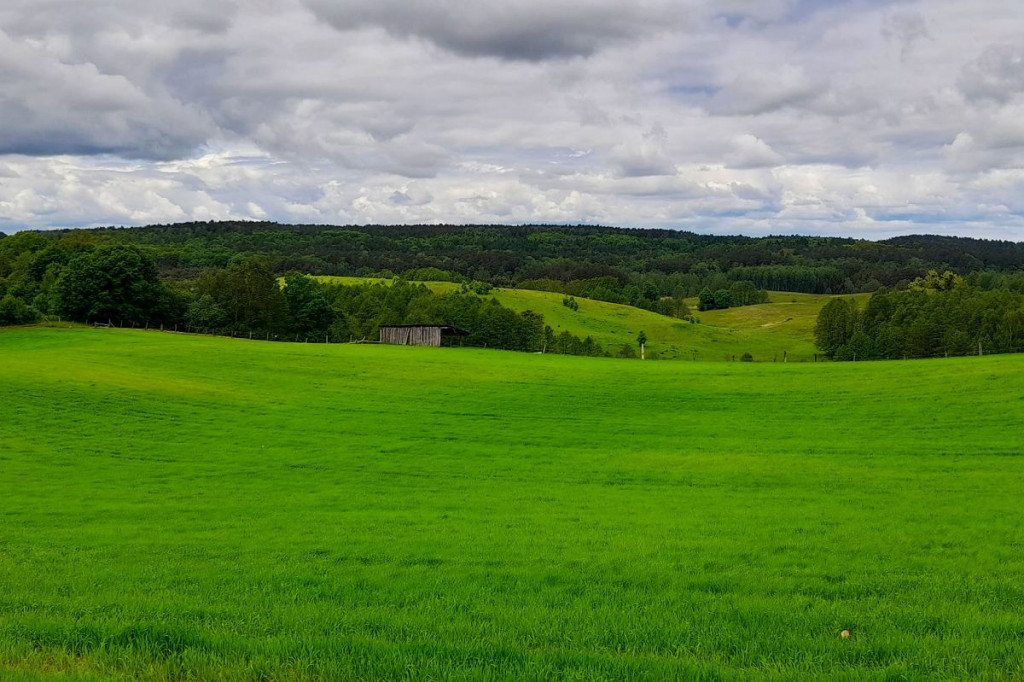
[445, 328]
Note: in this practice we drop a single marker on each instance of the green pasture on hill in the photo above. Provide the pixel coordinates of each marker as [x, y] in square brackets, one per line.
[179, 507]
[782, 328]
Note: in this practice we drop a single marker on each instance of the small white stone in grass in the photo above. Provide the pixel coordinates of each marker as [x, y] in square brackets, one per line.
[845, 634]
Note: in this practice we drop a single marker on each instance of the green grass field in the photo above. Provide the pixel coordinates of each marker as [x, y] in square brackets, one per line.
[785, 325]
[180, 507]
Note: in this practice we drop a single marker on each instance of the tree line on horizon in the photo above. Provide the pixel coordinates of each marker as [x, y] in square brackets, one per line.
[89, 275]
[676, 264]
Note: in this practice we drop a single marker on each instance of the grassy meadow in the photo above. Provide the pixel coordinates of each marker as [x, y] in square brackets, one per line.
[179, 507]
[784, 325]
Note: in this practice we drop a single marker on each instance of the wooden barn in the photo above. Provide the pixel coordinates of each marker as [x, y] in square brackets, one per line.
[417, 334]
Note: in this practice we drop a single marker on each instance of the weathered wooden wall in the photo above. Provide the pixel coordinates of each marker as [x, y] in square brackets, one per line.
[411, 336]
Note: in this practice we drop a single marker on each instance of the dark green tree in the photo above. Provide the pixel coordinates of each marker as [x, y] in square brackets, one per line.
[13, 310]
[706, 299]
[249, 293]
[114, 282]
[836, 325]
[309, 313]
[723, 299]
[204, 315]
[627, 351]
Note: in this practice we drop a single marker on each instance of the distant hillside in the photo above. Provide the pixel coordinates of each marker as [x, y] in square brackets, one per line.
[673, 260]
[784, 326]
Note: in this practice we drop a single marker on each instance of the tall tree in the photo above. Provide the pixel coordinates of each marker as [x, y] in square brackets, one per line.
[117, 282]
[249, 293]
[836, 325]
[309, 313]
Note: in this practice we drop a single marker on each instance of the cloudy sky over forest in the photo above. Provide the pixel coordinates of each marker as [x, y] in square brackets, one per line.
[865, 118]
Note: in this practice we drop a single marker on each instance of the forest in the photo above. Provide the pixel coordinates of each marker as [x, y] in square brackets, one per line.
[119, 284]
[938, 315]
[224, 278]
[676, 263]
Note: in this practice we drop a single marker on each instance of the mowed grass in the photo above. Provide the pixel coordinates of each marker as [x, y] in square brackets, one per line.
[197, 508]
[771, 332]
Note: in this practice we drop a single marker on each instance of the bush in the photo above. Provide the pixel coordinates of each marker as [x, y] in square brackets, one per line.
[204, 315]
[747, 357]
[706, 300]
[13, 310]
[430, 274]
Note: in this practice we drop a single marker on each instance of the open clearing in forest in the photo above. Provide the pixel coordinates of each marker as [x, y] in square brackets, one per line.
[782, 327]
[203, 508]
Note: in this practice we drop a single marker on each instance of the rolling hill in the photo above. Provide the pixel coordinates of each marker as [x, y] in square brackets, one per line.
[177, 507]
[784, 327]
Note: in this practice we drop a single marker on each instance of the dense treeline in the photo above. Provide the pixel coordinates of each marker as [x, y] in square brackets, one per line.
[222, 278]
[739, 294]
[95, 281]
[677, 264]
[937, 315]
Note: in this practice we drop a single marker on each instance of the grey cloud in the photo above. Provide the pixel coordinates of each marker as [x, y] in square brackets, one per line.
[784, 115]
[750, 151]
[762, 90]
[906, 28]
[997, 74]
[49, 107]
[44, 17]
[641, 160]
[512, 29]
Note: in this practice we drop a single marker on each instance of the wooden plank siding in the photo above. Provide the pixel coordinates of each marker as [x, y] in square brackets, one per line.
[411, 336]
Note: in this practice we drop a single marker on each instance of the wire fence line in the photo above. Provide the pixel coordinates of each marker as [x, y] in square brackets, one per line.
[680, 355]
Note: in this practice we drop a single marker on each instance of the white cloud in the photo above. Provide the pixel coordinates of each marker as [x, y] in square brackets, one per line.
[872, 118]
[750, 151]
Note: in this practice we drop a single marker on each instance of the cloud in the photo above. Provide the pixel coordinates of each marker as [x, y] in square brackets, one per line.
[873, 117]
[508, 29]
[997, 74]
[906, 29]
[750, 151]
[53, 107]
[764, 89]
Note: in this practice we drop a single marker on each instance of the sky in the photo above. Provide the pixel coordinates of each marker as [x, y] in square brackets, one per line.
[867, 118]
